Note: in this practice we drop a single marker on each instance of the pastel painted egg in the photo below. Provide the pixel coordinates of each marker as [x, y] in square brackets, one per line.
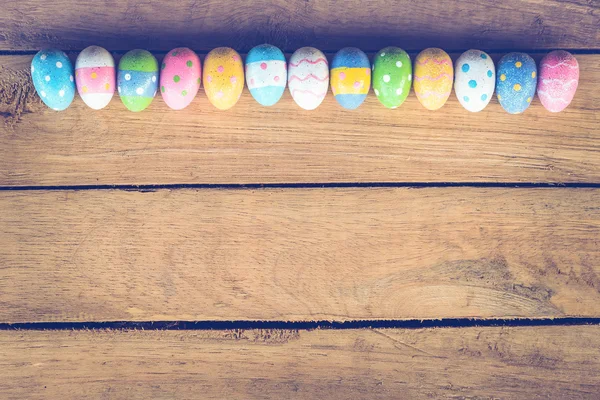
[137, 79]
[516, 82]
[434, 75]
[52, 76]
[559, 78]
[95, 76]
[475, 80]
[266, 74]
[180, 77]
[392, 76]
[223, 77]
[350, 77]
[308, 77]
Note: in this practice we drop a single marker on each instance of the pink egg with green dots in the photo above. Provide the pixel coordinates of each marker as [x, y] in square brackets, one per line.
[180, 77]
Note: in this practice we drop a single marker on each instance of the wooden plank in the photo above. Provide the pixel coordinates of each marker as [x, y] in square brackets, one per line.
[308, 254]
[253, 144]
[33, 24]
[484, 363]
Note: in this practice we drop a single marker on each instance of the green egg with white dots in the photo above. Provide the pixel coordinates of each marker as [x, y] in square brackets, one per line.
[392, 76]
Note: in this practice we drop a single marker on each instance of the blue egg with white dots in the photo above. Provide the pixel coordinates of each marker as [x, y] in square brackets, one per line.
[516, 82]
[474, 80]
[52, 76]
[266, 74]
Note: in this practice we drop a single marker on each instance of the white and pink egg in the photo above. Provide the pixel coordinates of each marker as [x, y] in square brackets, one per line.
[95, 76]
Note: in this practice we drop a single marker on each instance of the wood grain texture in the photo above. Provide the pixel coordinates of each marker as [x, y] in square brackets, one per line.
[284, 144]
[520, 24]
[311, 254]
[483, 363]
[301, 254]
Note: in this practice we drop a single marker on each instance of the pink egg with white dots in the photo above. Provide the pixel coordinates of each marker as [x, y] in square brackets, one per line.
[180, 77]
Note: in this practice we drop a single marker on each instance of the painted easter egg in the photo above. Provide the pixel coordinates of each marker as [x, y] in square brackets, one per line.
[137, 79]
[180, 77]
[350, 77]
[475, 80]
[266, 74]
[223, 77]
[516, 82]
[52, 76]
[308, 77]
[559, 77]
[434, 75]
[95, 76]
[392, 76]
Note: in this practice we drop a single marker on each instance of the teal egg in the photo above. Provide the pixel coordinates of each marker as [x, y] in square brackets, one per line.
[266, 74]
[52, 76]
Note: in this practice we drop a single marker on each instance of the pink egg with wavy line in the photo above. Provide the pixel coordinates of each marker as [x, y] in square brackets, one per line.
[558, 80]
[180, 77]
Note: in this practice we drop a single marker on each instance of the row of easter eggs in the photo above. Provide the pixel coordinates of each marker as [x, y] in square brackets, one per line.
[137, 80]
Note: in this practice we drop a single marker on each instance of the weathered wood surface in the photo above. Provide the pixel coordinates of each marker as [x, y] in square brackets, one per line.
[521, 24]
[338, 254]
[300, 254]
[253, 144]
[483, 363]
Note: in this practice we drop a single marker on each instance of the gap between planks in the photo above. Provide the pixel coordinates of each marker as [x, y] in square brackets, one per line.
[300, 325]
[328, 52]
[314, 185]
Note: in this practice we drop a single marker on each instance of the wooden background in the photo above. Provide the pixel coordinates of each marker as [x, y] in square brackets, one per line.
[367, 215]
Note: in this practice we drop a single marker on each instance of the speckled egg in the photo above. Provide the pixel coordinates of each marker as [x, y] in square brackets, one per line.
[52, 76]
[308, 77]
[223, 77]
[266, 74]
[180, 77]
[559, 78]
[137, 79]
[392, 76]
[475, 80]
[434, 75]
[95, 76]
[350, 77]
[516, 82]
